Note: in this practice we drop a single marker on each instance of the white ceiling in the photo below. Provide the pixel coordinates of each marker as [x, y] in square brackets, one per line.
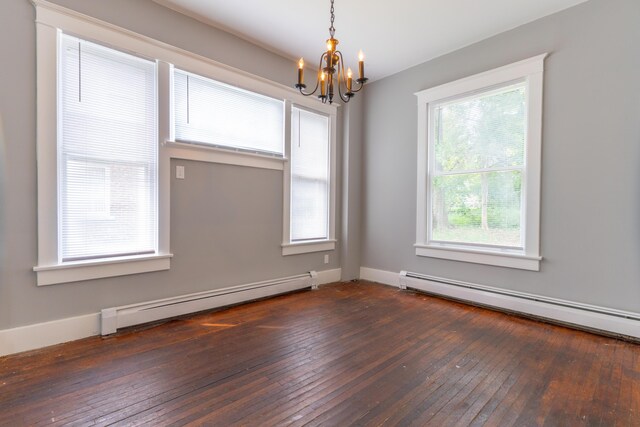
[394, 35]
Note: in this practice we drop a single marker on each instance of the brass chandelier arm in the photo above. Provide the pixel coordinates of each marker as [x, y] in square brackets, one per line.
[342, 79]
[301, 87]
[331, 72]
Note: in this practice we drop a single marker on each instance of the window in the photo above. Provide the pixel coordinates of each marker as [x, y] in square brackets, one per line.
[210, 112]
[309, 176]
[311, 190]
[479, 167]
[114, 108]
[107, 153]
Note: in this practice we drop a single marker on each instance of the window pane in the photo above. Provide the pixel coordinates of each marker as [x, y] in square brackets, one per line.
[309, 176]
[481, 132]
[108, 152]
[214, 113]
[480, 208]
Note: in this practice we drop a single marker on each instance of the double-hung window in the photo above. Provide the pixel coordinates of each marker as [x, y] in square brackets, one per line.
[309, 176]
[309, 188]
[479, 167]
[107, 153]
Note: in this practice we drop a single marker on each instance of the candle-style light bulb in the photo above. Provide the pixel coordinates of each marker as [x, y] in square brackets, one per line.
[301, 71]
[349, 79]
[323, 88]
[360, 65]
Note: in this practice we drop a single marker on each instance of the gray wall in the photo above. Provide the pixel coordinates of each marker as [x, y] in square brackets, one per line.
[352, 188]
[226, 221]
[590, 229]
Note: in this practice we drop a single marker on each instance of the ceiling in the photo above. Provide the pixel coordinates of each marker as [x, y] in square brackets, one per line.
[394, 35]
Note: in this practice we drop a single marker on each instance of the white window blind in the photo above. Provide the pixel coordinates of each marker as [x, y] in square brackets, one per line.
[212, 113]
[309, 176]
[477, 170]
[107, 152]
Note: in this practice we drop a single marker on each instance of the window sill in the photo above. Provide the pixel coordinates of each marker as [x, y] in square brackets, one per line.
[308, 247]
[203, 153]
[487, 257]
[97, 269]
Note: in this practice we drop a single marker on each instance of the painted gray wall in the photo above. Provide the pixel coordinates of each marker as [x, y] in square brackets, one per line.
[590, 229]
[226, 221]
[352, 188]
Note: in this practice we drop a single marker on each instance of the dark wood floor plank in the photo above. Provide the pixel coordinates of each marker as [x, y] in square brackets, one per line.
[347, 354]
[420, 379]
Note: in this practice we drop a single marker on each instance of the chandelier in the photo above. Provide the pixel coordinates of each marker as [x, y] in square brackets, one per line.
[331, 73]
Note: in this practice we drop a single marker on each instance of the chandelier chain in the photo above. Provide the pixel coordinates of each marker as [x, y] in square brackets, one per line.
[332, 79]
[332, 30]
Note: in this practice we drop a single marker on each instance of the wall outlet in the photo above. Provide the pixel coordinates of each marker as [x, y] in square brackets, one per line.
[180, 172]
[326, 259]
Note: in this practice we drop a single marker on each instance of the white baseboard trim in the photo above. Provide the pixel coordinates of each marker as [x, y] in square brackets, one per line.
[115, 318]
[40, 335]
[587, 316]
[379, 276]
[329, 276]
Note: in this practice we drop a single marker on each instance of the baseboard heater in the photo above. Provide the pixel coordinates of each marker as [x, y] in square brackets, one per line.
[612, 321]
[115, 318]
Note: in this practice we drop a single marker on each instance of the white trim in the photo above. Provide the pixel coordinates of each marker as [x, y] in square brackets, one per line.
[307, 247]
[115, 318]
[608, 320]
[497, 258]
[329, 276]
[569, 312]
[47, 147]
[496, 76]
[94, 269]
[530, 71]
[379, 276]
[40, 335]
[179, 150]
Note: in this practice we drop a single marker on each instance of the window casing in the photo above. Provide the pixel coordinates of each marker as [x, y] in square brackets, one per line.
[479, 145]
[52, 21]
[309, 184]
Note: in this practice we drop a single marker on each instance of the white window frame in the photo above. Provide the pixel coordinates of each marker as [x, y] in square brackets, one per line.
[50, 20]
[294, 248]
[531, 71]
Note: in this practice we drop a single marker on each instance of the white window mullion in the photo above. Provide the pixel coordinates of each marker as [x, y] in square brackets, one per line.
[470, 171]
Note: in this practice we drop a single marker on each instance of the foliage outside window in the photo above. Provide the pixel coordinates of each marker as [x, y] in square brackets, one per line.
[476, 184]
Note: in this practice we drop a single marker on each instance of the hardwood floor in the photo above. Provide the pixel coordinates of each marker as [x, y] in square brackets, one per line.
[347, 354]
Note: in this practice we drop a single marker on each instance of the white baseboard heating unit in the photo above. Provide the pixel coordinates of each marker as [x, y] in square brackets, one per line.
[115, 318]
[605, 319]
